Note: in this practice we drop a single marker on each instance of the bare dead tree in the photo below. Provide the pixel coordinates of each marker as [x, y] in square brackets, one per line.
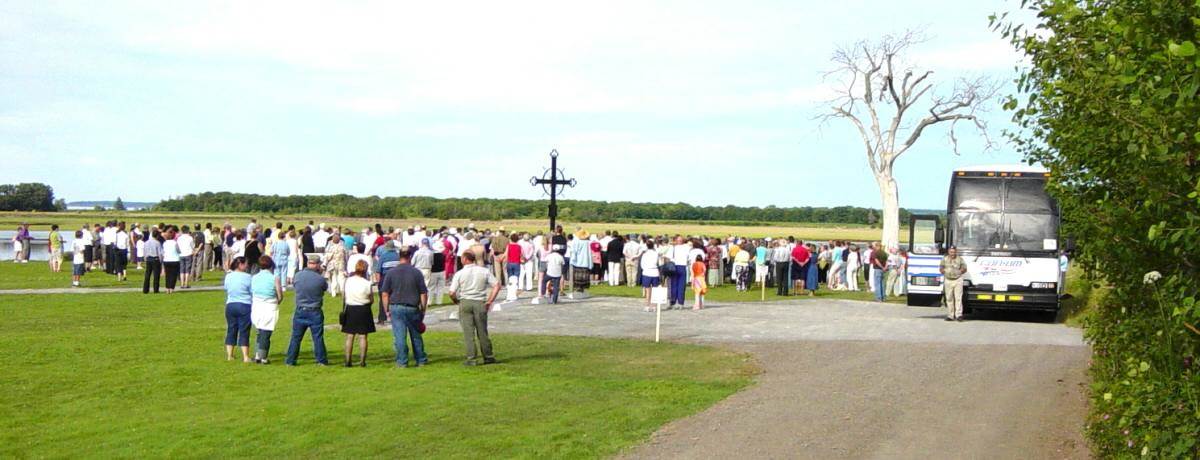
[879, 94]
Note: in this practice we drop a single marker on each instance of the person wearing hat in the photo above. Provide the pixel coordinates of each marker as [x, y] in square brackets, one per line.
[499, 253]
[474, 289]
[952, 269]
[310, 289]
[386, 258]
[579, 253]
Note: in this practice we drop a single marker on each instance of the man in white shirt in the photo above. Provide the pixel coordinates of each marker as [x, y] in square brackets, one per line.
[108, 239]
[466, 243]
[187, 248]
[354, 259]
[320, 237]
[679, 257]
[529, 266]
[88, 241]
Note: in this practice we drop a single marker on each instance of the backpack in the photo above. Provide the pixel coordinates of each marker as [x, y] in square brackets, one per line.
[666, 269]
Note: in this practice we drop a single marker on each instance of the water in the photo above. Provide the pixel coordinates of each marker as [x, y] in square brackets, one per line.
[41, 244]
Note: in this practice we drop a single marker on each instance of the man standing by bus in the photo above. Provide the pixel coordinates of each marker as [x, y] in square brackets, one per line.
[952, 269]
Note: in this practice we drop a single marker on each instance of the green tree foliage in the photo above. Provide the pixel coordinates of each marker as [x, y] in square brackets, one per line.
[1109, 104]
[60, 205]
[498, 209]
[118, 205]
[26, 197]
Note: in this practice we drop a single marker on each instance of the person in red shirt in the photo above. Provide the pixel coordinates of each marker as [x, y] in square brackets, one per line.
[800, 257]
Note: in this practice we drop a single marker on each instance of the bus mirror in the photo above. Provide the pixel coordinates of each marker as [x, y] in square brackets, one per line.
[939, 237]
[1070, 245]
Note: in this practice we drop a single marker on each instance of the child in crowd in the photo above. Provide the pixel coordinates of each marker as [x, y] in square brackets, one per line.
[699, 269]
[77, 260]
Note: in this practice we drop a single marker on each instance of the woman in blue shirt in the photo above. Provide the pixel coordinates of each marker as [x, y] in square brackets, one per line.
[237, 309]
[280, 255]
[267, 292]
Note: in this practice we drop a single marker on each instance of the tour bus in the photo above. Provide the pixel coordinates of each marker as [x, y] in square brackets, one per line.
[1005, 227]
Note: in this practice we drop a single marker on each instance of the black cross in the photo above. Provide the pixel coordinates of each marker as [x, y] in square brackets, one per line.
[555, 184]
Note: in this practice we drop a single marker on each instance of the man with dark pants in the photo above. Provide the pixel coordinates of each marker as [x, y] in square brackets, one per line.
[474, 288]
[310, 296]
[153, 251]
[406, 297]
[781, 259]
[679, 258]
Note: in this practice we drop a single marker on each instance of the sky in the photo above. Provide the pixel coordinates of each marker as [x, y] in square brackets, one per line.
[702, 102]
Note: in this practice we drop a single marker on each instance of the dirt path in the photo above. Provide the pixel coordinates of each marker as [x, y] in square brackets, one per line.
[890, 400]
[847, 379]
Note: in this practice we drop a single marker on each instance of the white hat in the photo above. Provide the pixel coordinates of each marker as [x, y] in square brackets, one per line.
[453, 231]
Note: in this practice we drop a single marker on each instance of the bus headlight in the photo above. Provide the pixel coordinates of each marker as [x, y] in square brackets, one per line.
[1039, 285]
[926, 281]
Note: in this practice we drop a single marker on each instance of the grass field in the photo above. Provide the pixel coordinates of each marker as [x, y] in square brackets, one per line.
[76, 219]
[127, 375]
[37, 275]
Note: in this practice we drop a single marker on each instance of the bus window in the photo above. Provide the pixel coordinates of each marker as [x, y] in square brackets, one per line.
[1027, 195]
[977, 194]
[922, 237]
[1031, 232]
[977, 230]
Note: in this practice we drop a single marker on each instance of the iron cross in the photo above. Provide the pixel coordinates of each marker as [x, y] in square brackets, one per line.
[552, 184]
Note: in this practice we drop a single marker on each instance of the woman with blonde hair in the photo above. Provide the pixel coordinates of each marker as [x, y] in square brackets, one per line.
[356, 319]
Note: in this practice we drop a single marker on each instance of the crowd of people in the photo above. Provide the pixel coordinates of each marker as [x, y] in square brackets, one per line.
[405, 270]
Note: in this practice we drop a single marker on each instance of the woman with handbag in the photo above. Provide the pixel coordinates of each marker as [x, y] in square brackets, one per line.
[267, 293]
[356, 319]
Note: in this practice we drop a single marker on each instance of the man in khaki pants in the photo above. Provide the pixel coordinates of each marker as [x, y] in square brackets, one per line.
[952, 269]
[474, 289]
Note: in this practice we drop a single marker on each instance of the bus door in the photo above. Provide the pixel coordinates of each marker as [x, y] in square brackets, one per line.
[924, 281]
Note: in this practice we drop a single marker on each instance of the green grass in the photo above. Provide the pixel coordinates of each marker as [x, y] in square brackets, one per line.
[1086, 294]
[128, 375]
[729, 293]
[37, 275]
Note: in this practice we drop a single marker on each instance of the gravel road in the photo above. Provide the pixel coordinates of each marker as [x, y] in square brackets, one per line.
[846, 379]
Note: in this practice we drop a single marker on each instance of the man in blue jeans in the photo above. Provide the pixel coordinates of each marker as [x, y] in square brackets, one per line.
[879, 259]
[406, 298]
[310, 296]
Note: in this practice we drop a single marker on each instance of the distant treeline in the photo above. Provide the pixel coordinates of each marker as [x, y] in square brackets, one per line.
[502, 209]
[33, 196]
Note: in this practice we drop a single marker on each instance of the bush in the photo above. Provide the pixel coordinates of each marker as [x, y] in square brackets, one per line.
[1109, 104]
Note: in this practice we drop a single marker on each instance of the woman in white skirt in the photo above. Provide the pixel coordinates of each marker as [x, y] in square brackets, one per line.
[17, 247]
[267, 292]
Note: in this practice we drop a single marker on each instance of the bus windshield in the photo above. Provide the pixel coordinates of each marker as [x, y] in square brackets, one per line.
[1003, 213]
[977, 194]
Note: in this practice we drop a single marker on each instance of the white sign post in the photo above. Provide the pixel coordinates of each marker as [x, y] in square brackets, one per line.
[658, 296]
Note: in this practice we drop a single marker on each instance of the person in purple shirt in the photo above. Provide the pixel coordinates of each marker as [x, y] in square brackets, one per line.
[26, 240]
